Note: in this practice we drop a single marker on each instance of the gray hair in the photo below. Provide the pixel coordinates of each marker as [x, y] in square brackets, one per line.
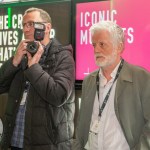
[116, 32]
[43, 14]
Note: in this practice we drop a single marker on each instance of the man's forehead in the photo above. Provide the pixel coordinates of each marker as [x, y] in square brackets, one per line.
[32, 16]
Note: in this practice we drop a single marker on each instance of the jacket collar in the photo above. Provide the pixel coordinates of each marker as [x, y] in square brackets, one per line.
[125, 75]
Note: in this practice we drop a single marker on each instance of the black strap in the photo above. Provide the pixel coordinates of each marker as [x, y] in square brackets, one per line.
[44, 55]
[107, 95]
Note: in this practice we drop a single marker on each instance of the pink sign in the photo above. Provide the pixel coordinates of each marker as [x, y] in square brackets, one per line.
[129, 15]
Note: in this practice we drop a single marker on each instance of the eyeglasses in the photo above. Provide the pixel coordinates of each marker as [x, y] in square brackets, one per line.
[31, 24]
[28, 24]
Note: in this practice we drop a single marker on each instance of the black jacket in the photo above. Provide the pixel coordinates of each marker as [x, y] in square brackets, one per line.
[50, 102]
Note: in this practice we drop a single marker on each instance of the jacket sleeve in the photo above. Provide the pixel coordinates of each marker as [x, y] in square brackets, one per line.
[7, 73]
[54, 88]
[144, 141]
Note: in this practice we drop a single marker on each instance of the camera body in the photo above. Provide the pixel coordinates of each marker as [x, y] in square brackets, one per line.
[39, 33]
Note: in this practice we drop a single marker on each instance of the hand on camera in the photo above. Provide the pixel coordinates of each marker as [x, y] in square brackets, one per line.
[20, 52]
[36, 57]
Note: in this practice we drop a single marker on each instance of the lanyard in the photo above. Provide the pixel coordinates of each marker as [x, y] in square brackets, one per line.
[108, 94]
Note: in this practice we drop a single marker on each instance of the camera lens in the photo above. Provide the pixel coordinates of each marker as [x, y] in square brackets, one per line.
[32, 47]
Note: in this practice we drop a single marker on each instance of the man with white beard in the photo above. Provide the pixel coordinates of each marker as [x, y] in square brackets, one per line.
[115, 100]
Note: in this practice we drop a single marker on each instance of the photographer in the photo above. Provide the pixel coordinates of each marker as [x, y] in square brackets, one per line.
[40, 85]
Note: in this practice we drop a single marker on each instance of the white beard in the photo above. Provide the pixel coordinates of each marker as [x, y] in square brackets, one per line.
[108, 60]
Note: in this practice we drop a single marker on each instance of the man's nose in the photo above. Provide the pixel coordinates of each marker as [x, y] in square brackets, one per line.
[97, 48]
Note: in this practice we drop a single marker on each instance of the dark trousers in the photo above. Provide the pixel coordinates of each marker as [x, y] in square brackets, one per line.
[16, 148]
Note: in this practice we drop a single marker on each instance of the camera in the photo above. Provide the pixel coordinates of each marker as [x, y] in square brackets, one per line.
[39, 33]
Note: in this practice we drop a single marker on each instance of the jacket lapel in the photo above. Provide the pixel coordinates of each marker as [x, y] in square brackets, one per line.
[91, 93]
[124, 77]
[88, 105]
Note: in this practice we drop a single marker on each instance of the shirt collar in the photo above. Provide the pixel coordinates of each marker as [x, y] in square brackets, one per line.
[113, 74]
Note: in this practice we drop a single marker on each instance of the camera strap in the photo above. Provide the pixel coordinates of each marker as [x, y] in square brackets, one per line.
[24, 62]
[44, 55]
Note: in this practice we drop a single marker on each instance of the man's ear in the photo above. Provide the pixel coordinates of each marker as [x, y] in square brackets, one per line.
[120, 47]
[48, 27]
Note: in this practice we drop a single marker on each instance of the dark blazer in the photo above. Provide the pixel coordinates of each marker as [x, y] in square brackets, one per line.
[132, 107]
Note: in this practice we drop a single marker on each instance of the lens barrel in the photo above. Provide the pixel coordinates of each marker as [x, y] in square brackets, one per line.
[32, 47]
